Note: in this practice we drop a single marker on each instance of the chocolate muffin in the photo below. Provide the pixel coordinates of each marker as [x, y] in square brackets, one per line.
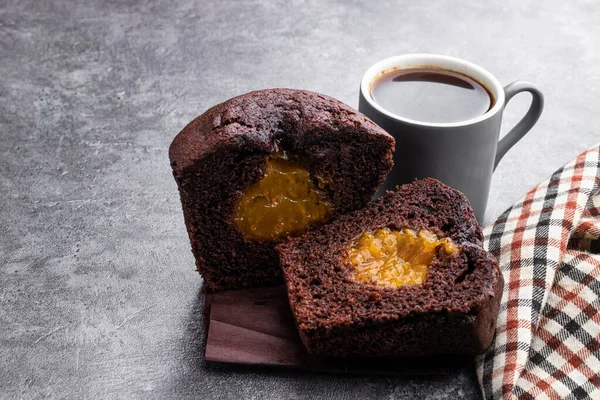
[268, 165]
[405, 276]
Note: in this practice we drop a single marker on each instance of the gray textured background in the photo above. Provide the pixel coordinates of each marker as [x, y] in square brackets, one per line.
[98, 294]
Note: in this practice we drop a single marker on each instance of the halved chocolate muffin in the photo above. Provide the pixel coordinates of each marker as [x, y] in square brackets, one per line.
[405, 276]
[267, 165]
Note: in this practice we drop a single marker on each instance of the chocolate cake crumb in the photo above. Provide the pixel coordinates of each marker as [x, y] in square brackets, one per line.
[220, 154]
[452, 312]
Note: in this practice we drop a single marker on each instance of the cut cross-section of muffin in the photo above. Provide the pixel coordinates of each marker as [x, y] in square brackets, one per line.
[404, 276]
[267, 165]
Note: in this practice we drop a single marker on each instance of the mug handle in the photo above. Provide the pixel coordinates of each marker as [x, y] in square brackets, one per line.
[527, 122]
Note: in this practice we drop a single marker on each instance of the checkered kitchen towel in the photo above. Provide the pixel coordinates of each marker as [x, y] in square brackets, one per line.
[547, 343]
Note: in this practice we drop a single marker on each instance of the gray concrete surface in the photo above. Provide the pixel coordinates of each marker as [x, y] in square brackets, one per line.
[98, 294]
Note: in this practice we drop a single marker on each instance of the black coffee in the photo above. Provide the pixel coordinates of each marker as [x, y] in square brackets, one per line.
[431, 95]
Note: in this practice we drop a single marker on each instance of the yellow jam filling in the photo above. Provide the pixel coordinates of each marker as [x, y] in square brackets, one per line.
[395, 258]
[282, 203]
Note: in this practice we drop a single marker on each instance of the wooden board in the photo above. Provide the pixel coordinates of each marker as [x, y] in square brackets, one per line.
[256, 327]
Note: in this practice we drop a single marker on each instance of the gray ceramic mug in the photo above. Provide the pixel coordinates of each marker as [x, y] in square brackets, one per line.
[460, 154]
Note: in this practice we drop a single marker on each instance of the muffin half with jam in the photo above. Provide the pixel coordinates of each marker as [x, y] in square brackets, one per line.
[404, 276]
[269, 165]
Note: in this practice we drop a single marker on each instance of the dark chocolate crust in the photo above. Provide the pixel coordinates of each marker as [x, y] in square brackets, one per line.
[453, 312]
[217, 156]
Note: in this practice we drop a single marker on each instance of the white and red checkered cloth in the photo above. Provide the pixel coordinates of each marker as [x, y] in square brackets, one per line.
[547, 343]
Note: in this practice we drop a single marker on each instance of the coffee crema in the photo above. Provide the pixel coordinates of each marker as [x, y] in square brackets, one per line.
[431, 95]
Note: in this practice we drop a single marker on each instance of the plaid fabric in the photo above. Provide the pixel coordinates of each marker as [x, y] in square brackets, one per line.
[547, 343]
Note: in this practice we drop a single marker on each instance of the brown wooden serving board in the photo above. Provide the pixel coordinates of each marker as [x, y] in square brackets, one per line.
[256, 327]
